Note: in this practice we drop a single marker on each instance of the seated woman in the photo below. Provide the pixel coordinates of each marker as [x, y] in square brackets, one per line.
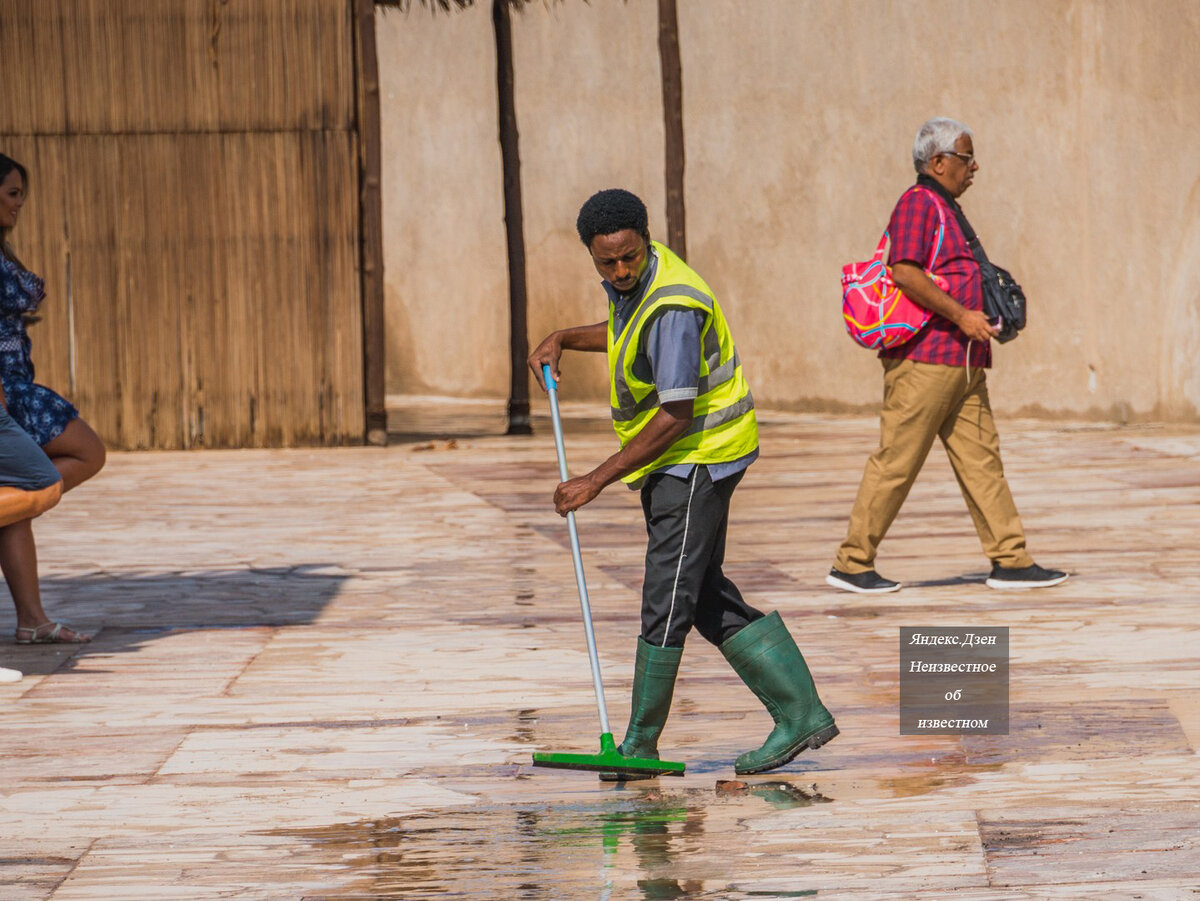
[29, 486]
[75, 452]
[72, 446]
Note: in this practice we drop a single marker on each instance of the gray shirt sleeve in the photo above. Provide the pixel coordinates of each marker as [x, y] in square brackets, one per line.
[672, 344]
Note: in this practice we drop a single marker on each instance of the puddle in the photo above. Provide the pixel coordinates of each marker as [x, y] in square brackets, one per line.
[780, 795]
[629, 843]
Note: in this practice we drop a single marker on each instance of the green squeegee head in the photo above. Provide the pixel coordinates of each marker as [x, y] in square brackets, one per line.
[609, 760]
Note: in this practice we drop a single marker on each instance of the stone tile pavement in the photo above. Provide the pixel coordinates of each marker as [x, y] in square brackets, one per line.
[321, 674]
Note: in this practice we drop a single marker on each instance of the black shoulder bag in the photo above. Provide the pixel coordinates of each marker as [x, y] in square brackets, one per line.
[1003, 299]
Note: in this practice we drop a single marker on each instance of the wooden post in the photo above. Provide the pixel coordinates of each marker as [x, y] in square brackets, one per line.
[510, 162]
[371, 222]
[672, 97]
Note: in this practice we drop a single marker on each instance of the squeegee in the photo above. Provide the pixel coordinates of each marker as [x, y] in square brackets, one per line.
[609, 759]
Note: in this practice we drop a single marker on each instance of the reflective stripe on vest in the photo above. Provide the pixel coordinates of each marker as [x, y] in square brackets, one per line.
[715, 378]
[624, 409]
[724, 427]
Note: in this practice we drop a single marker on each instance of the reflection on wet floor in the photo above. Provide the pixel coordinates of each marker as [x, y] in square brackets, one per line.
[780, 795]
[625, 846]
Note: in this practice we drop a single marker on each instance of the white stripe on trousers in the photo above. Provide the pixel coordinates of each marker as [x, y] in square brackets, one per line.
[687, 518]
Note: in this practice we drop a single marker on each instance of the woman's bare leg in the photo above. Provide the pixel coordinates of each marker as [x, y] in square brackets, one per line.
[77, 453]
[18, 561]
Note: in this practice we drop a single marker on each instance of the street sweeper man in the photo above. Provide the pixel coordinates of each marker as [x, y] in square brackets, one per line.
[685, 417]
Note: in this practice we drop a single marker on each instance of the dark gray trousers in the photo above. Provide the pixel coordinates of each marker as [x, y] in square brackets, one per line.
[686, 521]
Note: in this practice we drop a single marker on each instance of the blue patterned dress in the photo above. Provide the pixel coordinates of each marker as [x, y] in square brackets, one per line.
[37, 409]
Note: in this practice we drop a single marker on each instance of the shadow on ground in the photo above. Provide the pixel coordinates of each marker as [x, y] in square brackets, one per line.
[131, 610]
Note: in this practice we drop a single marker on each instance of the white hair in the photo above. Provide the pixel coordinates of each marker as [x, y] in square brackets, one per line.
[934, 137]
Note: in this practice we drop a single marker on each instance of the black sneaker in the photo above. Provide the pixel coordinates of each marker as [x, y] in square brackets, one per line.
[869, 582]
[1024, 577]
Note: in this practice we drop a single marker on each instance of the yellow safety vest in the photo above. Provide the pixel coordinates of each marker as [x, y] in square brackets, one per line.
[725, 427]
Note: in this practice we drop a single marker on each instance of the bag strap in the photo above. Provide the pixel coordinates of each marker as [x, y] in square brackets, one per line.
[977, 251]
[878, 258]
[937, 247]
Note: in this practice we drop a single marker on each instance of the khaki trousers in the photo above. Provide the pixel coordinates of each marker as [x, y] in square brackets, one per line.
[923, 401]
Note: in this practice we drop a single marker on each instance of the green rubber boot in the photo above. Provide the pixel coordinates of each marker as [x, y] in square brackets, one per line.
[768, 661]
[654, 672]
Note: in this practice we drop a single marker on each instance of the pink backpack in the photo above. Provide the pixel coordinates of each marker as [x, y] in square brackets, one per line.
[876, 312]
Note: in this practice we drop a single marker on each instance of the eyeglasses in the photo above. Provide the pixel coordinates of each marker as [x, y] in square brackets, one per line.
[967, 158]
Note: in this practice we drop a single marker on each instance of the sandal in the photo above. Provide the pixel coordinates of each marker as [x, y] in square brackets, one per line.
[50, 633]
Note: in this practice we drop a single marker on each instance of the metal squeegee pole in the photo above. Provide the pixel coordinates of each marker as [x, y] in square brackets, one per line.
[577, 558]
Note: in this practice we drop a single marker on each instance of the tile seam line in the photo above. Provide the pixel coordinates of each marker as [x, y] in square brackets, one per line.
[987, 868]
[191, 728]
[224, 692]
[71, 872]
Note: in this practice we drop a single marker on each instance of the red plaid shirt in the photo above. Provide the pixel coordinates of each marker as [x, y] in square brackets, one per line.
[913, 230]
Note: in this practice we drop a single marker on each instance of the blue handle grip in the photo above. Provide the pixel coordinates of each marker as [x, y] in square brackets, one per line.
[551, 385]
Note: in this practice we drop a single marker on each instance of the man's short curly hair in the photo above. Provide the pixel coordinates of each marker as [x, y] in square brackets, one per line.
[614, 210]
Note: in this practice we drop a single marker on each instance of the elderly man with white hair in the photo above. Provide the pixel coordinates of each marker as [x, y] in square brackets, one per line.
[935, 385]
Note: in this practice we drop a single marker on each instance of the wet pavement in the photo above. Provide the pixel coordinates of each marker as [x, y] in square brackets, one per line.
[322, 673]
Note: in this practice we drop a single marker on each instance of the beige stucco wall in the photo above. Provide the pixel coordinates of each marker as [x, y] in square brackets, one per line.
[582, 127]
[444, 271]
[799, 117]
